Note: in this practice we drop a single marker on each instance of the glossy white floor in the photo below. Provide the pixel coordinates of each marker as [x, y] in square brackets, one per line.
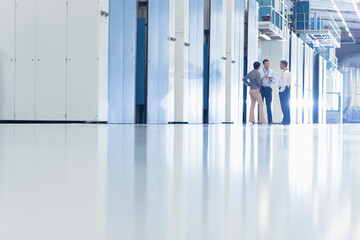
[179, 182]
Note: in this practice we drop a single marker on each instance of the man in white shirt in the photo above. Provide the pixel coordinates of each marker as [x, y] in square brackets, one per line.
[284, 91]
[268, 79]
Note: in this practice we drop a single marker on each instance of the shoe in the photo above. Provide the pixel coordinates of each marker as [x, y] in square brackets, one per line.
[262, 123]
[271, 123]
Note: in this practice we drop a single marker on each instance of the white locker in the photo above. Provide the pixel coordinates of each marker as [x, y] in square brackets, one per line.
[217, 79]
[103, 78]
[82, 68]
[294, 85]
[231, 84]
[7, 57]
[196, 60]
[50, 59]
[300, 81]
[252, 50]
[179, 82]
[25, 60]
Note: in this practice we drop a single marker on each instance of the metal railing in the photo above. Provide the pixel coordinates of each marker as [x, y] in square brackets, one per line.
[275, 14]
[313, 23]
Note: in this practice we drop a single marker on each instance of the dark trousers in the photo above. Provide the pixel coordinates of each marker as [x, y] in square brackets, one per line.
[266, 93]
[285, 104]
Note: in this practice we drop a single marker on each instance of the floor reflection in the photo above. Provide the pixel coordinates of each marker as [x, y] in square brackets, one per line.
[179, 182]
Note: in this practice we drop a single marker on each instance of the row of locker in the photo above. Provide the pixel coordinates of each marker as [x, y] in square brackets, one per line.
[175, 61]
[167, 58]
[53, 59]
[308, 88]
[54, 65]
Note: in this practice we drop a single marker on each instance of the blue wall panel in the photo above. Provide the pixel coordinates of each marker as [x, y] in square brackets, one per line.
[158, 61]
[140, 62]
[196, 66]
[122, 50]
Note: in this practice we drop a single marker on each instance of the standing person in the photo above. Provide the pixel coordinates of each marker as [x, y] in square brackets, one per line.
[255, 85]
[268, 79]
[284, 92]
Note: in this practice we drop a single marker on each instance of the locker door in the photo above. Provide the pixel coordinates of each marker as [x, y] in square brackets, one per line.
[239, 26]
[158, 62]
[306, 83]
[82, 65]
[196, 65]
[25, 60]
[300, 81]
[179, 26]
[252, 50]
[217, 63]
[7, 56]
[50, 59]
[122, 66]
[311, 87]
[293, 69]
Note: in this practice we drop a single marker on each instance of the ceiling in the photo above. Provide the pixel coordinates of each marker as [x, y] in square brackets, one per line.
[345, 13]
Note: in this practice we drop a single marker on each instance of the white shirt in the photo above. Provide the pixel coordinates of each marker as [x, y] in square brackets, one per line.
[271, 74]
[285, 80]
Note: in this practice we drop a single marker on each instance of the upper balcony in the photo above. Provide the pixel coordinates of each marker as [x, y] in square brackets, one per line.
[320, 33]
[273, 20]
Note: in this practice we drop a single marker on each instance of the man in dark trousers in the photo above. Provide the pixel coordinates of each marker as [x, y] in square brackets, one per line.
[284, 91]
[268, 79]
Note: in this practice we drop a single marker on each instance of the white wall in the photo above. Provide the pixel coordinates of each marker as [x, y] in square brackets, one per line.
[55, 67]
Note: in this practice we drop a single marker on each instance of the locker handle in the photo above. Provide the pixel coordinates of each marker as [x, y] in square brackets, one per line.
[233, 61]
[172, 39]
[223, 58]
[104, 13]
[187, 44]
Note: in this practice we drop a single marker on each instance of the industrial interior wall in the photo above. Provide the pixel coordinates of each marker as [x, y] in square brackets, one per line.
[51, 62]
[122, 52]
